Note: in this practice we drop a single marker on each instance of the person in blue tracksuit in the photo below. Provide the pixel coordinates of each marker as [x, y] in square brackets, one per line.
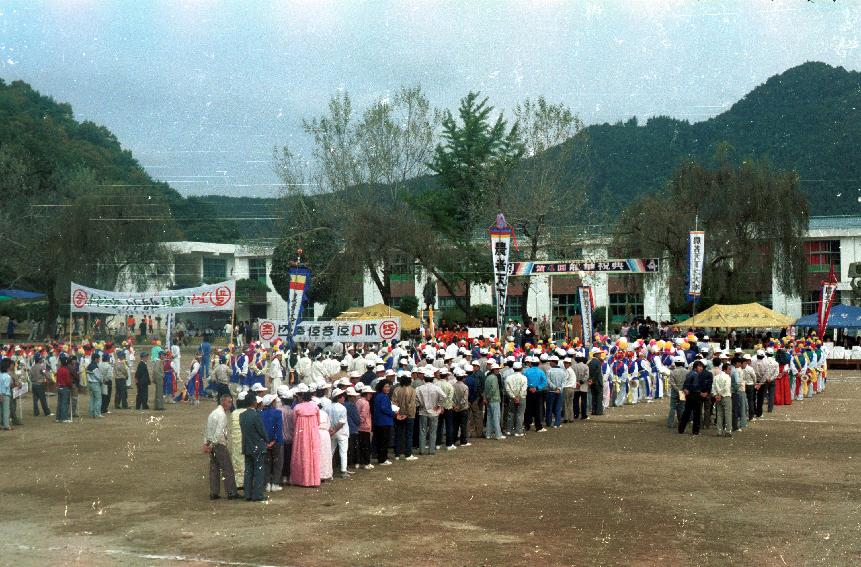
[273, 423]
[383, 419]
[536, 386]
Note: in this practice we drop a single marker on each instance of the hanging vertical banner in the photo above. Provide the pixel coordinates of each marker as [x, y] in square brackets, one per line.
[696, 259]
[587, 306]
[501, 238]
[826, 299]
[300, 282]
[169, 330]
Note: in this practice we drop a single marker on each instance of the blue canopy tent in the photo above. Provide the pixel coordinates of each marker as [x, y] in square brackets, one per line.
[841, 317]
[7, 294]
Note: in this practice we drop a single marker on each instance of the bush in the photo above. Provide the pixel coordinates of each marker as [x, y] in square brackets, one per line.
[453, 315]
[484, 311]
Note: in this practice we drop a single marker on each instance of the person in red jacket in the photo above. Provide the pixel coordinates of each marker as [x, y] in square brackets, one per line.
[64, 391]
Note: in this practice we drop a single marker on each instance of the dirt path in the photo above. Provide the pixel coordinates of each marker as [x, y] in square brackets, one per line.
[131, 489]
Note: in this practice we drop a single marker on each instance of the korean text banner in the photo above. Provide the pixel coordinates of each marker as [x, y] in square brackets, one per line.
[214, 297]
[501, 236]
[696, 259]
[615, 266]
[586, 309]
[300, 282]
[359, 331]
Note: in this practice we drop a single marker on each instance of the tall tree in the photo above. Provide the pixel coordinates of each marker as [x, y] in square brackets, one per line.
[545, 199]
[754, 218]
[352, 205]
[473, 162]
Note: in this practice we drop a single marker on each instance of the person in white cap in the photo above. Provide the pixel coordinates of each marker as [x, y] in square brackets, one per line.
[340, 430]
[429, 398]
[274, 371]
[273, 421]
[677, 382]
[492, 399]
[236, 456]
[353, 422]
[254, 446]
[363, 404]
[515, 389]
[749, 378]
[762, 370]
[287, 421]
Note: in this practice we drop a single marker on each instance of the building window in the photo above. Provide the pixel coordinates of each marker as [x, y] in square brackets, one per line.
[214, 269]
[626, 305]
[257, 269]
[403, 268]
[810, 302]
[821, 254]
[514, 307]
[443, 303]
[566, 305]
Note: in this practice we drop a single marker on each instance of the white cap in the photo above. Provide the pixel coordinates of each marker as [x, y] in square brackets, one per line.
[282, 391]
[379, 368]
[769, 350]
[351, 391]
[302, 388]
[442, 372]
[459, 372]
[468, 368]
[760, 352]
[242, 395]
[493, 365]
[567, 359]
[344, 364]
[680, 359]
[268, 399]
[337, 392]
[517, 365]
[355, 374]
[389, 372]
[258, 387]
[746, 357]
[594, 350]
[554, 358]
[369, 363]
[543, 357]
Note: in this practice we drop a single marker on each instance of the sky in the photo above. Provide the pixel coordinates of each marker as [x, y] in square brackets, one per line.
[202, 91]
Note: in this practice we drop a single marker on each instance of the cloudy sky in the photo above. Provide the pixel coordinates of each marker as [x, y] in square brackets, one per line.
[201, 91]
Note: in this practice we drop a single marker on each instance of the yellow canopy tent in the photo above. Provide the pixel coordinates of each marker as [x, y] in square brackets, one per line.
[380, 311]
[744, 316]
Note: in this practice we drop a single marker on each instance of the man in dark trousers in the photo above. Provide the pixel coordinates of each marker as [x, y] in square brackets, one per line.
[142, 383]
[254, 445]
[596, 382]
[694, 390]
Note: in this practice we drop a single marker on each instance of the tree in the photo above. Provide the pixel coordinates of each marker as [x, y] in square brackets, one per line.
[474, 160]
[543, 191]
[346, 208]
[754, 218]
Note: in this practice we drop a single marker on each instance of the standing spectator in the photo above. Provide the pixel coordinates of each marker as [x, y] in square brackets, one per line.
[142, 382]
[429, 399]
[215, 444]
[516, 388]
[142, 328]
[38, 380]
[493, 399]
[121, 376]
[10, 328]
[5, 393]
[305, 460]
[273, 423]
[581, 402]
[383, 421]
[106, 375]
[205, 352]
[460, 409]
[722, 392]
[363, 404]
[340, 430]
[94, 384]
[596, 382]
[693, 389]
[64, 391]
[254, 446]
[405, 398]
[677, 383]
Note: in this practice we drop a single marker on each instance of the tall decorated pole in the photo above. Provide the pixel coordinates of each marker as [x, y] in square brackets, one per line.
[826, 299]
[587, 307]
[501, 238]
[297, 297]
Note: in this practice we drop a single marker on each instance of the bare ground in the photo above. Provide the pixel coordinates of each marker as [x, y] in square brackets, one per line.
[622, 489]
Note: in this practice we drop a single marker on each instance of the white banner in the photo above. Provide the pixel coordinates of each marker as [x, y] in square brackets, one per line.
[358, 331]
[586, 308]
[696, 259]
[214, 297]
[501, 235]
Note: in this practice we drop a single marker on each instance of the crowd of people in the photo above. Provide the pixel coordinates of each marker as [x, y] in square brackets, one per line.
[298, 417]
[342, 409]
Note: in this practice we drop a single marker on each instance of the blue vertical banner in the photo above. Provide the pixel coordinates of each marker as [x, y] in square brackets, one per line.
[300, 283]
[696, 259]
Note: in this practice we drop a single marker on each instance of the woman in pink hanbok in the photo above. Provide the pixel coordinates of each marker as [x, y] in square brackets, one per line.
[325, 446]
[305, 460]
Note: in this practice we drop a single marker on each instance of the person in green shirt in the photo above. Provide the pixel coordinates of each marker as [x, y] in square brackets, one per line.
[492, 398]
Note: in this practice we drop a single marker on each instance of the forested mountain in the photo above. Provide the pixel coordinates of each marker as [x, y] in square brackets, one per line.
[807, 119]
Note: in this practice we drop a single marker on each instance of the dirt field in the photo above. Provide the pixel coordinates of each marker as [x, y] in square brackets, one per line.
[620, 489]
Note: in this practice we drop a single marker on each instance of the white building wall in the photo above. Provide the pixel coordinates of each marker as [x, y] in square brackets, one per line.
[480, 294]
[850, 251]
[370, 294]
[656, 294]
[598, 281]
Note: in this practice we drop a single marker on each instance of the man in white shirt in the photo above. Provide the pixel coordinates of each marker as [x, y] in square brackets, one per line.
[569, 389]
[515, 388]
[275, 371]
[340, 430]
[215, 443]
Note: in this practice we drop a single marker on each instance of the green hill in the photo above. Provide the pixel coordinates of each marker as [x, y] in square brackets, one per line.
[807, 119]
